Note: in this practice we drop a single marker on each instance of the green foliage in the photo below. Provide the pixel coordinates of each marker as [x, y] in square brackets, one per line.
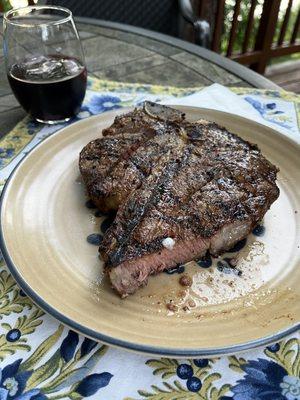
[10, 299]
[5, 5]
[165, 367]
[200, 372]
[288, 356]
[70, 373]
[42, 350]
[8, 348]
[51, 374]
[207, 384]
[26, 325]
[291, 22]
[176, 391]
[216, 394]
[7, 283]
[169, 391]
[242, 23]
[236, 363]
[45, 371]
[74, 396]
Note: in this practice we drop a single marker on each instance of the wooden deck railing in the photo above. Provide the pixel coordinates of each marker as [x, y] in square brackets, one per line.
[265, 47]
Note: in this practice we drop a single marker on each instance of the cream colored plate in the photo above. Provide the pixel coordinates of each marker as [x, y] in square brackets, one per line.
[45, 223]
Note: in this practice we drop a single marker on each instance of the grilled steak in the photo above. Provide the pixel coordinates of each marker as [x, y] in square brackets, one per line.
[180, 189]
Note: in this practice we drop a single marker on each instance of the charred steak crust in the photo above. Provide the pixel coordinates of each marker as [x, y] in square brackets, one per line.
[196, 183]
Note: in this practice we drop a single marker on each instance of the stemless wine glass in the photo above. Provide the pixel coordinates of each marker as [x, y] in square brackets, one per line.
[45, 62]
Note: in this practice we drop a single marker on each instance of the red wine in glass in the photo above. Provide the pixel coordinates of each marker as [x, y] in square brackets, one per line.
[49, 88]
[45, 62]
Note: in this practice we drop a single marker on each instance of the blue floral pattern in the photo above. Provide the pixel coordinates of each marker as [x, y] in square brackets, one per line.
[290, 387]
[5, 153]
[270, 112]
[92, 383]
[13, 335]
[98, 104]
[262, 381]
[22, 380]
[265, 380]
[13, 383]
[68, 346]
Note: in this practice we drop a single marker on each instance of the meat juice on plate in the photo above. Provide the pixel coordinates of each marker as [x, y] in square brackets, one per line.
[50, 88]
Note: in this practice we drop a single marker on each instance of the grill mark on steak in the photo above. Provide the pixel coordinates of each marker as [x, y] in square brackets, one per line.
[152, 151]
[135, 213]
[196, 182]
[129, 175]
[156, 244]
[132, 164]
[128, 152]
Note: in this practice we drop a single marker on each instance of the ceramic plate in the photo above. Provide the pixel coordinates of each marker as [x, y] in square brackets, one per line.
[45, 223]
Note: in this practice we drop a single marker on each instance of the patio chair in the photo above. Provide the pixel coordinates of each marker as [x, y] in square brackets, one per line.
[167, 16]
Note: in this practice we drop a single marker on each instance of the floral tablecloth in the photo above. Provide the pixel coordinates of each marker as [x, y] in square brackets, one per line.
[41, 359]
